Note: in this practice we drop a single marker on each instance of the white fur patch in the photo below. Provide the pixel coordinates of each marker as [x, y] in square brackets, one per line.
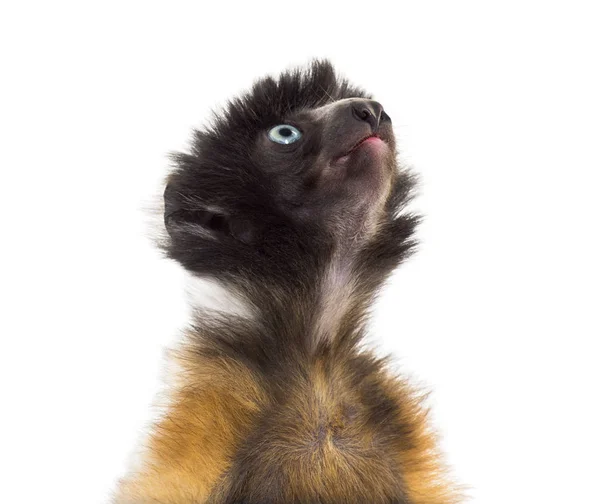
[203, 293]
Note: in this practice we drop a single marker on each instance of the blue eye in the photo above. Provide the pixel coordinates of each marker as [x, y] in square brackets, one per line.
[284, 134]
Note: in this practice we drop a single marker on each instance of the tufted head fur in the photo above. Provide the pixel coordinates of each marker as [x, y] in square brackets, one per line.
[240, 206]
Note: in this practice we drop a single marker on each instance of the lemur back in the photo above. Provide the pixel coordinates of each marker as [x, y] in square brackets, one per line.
[294, 201]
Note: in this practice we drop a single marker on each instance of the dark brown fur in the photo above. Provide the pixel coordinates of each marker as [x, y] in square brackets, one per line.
[284, 406]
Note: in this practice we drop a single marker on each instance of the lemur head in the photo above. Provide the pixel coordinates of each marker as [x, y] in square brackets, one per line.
[298, 168]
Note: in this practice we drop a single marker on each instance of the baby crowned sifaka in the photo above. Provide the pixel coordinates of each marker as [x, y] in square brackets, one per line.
[293, 200]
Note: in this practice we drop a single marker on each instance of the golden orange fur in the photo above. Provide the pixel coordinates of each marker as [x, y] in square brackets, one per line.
[212, 408]
[319, 440]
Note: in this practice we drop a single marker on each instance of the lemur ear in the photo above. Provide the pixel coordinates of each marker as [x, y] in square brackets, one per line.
[209, 222]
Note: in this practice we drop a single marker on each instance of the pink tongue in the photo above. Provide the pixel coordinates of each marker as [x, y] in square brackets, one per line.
[372, 140]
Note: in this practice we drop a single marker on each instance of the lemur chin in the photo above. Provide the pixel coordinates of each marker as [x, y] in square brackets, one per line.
[293, 200]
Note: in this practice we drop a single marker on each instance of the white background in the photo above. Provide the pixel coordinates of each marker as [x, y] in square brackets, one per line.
[495, 104]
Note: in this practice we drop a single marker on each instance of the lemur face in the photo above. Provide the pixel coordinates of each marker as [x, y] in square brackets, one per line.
[330, 161]
[301, 163]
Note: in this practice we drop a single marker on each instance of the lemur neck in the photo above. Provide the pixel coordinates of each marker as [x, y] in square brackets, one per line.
[336, 298]
[324, 304]
[342, 296]
[327, 304]
[312, 297]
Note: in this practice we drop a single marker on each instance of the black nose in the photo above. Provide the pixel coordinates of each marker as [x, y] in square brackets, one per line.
[369, 111]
